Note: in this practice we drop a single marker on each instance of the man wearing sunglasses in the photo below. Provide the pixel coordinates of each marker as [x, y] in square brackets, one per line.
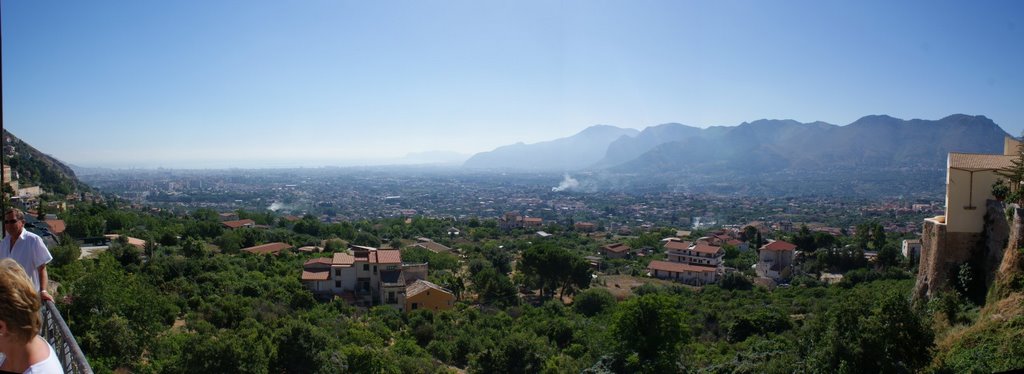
[27, 249]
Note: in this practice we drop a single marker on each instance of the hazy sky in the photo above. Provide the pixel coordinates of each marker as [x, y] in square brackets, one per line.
[284, 83]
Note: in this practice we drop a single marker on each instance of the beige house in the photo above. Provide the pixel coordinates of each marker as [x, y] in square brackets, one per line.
[969, 179]
[686, 273]
[773, 258]
[699, 253]
[368, 276]
[692, 263]
[422, 294]
[948, 239]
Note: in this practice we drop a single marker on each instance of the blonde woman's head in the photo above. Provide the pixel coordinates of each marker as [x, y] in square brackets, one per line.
[19, 302]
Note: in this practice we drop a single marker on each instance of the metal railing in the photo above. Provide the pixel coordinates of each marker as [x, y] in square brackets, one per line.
[56, 332]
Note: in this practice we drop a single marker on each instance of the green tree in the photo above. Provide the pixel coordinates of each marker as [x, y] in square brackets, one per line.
[65, 253]
[868, 332]
[494, 288]
[1014, 173]
[593, 301]
[649, 333]
[804, 240]
[520, 352]
[551, 267]
[194, 248]
[877, 236]
[299, 347]
[888, 256]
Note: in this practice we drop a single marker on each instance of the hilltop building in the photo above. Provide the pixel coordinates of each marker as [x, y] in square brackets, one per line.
[947, 241]
[616, 250]
[237, 224]
[774, 258]
[692, 263]
[369, 276]
[911, 248]
[513, 220]
[422, 294]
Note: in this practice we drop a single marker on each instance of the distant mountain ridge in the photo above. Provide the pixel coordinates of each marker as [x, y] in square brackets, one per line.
[872, 142]
[569, 153]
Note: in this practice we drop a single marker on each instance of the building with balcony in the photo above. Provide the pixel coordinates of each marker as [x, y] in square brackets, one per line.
[692, 263]
[700, 253]
[366, 276]
[682, 272]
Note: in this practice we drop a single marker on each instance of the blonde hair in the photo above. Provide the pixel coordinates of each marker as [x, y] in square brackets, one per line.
[19, 302]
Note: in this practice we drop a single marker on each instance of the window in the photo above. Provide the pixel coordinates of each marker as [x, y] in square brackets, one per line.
[415, 306]
[337, 284]
[375, 269]
[366, 267]
[337, 272]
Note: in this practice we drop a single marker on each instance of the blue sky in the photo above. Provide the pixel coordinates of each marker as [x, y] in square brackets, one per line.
[309, 83]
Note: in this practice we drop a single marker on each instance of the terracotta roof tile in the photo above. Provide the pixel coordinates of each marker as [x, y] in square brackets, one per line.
[239, 223]
[704, 247]
[343, 259]
[778, 245]
[268, 248]
[677, 246]
[973, 161]
[421, 286]
[389, 256]
[316, 275]
[617, 248]
[318, 261]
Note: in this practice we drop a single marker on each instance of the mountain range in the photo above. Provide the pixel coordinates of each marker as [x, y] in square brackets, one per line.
[875, 142]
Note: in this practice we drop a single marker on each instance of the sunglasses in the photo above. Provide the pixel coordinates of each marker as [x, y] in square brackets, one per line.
[11, 221]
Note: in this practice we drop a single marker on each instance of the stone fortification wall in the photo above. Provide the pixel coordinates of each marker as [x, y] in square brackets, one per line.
[943, 252]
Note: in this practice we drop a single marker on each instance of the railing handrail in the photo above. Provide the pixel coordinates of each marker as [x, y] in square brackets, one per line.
[57, 333]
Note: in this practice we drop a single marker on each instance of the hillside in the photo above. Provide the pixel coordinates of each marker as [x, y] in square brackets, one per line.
[564, 154]
[35, 168]
[993, 342]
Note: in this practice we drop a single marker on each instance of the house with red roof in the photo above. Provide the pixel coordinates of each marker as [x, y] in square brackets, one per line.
[365, 276]
[773, 258]
[56, 226]
[695, 263]
[682, 272]
[239, 224]
[422, 294]
[585, 226]
[269, 248]
[616, 250]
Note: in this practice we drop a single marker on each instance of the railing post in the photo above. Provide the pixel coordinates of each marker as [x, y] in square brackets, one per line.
[57, 333]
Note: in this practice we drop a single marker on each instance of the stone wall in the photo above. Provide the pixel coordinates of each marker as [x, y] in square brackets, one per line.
[942, 252]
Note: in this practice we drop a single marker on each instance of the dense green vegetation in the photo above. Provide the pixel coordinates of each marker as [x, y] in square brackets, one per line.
[184, 306]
